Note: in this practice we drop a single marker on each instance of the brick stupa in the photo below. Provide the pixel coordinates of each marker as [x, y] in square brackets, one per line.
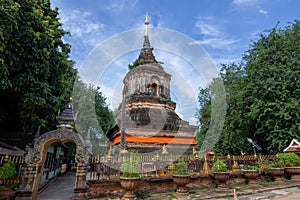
[150, 120]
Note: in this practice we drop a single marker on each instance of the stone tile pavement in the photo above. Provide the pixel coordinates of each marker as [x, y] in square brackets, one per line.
[270, 191]
[60, 188]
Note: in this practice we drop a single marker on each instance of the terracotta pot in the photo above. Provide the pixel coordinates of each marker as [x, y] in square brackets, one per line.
[181, 181]
[222, 177]
[277, 174]
[294, 172]
[130, 185]
[251, 176]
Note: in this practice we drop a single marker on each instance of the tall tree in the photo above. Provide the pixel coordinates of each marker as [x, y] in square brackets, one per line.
[36, 74]
[262, 95]
[92, 114]
[212, 101]
[272, 87]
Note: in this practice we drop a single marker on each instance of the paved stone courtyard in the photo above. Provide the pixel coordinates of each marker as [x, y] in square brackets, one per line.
[265, 191]
[61, 188]
[290, 193]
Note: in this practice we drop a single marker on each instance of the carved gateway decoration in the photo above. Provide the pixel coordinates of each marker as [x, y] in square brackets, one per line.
[36, 155]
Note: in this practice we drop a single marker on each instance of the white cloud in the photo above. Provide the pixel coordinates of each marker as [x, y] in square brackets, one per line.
[208, 30]
[119, 6]
[243, 2]
[212, 35]
[264, 12]
[217, 43]
[82, 26]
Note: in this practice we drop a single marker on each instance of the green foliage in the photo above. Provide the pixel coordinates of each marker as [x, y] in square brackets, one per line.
[35, 68]
[7, 170]
[277, 164]
[251, 167]
[261, 95]
[93, 113]
[273, 67]
[219, 166]
[180, 168]
[131, 168]
[289, 159]
[264, 165]
[136, 63]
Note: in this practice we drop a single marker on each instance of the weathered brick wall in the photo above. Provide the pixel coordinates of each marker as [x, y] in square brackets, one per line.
[148, 184]
[113, 187]
[104, 187]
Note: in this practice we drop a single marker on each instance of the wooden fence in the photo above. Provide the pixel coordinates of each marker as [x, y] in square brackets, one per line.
[154, 166]
[108, 167]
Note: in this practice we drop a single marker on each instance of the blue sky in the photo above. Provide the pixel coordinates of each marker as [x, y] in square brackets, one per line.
[223, 28]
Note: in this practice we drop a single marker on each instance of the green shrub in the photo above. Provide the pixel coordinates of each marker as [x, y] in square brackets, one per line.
[251, 167]
[219, 166]
[277, 164]
[7, 170]
[289, 159]
[181, 168]
[131, 168]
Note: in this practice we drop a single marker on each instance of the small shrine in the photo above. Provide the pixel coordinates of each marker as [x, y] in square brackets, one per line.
[149, 119]
[293, 147]
[66, 119]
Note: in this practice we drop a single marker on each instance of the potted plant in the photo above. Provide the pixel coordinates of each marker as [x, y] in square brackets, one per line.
[291, 162]
[181, 177]
[130, 177]
[277, 170]
[251, 172]
[221, 173]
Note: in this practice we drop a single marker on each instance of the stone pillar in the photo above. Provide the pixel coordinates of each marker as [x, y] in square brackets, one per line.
[25, 193]
[80, 191]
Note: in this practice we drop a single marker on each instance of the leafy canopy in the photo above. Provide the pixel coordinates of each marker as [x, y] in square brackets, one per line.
[36, 74]
[262, 95]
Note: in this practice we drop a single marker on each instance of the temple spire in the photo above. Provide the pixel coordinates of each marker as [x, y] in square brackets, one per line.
[146, 24]
[146, 55]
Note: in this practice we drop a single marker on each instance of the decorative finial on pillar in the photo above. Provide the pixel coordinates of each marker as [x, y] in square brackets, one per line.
[146, 24]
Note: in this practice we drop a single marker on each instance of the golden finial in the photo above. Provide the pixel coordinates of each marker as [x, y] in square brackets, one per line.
[205, 166]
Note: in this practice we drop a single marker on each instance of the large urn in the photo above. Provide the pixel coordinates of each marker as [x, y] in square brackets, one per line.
[294, 172]
[130, 185]
[277, 173]
[222, 178]
[181, 181]
[252, 176]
